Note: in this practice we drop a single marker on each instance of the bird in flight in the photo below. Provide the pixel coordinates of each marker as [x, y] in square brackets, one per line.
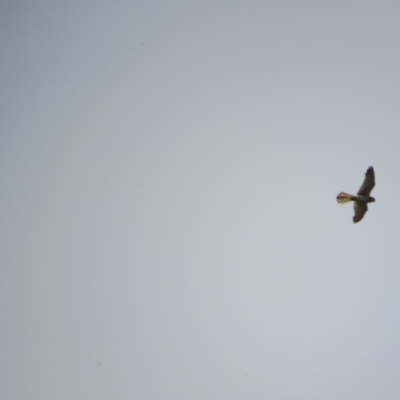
[363, 196]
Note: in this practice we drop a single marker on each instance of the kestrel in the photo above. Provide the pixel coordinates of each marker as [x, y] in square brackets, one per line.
[362, 198]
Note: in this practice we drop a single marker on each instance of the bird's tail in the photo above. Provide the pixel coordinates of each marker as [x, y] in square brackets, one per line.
[343, 197]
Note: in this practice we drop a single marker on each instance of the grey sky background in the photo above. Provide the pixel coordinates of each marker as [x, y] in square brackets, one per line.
[169, 228]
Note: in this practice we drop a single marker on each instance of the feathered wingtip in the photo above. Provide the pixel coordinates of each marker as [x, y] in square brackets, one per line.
[343, 197]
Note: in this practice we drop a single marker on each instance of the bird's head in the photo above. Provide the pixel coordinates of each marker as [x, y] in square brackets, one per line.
[373, 199]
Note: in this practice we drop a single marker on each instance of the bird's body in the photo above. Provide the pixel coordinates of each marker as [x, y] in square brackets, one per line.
[363, 196]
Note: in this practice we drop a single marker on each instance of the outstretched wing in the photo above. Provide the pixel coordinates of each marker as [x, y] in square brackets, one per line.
[369, 182]
[360, 208]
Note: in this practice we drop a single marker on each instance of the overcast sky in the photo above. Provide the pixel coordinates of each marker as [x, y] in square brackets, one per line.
[169, 225]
